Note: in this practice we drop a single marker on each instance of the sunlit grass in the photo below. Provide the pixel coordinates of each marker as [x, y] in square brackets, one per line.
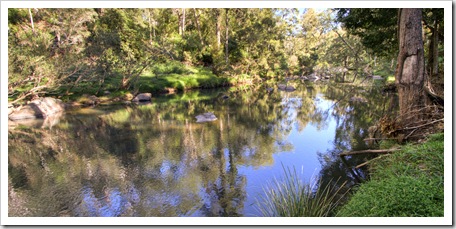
[406, 183]
[291, 197]
[390, 79]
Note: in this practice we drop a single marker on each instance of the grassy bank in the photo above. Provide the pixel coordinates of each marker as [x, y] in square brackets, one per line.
[406, 183]
[159, 78]
[175, 76]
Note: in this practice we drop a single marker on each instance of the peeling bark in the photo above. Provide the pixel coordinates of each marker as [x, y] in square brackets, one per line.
[410, 71]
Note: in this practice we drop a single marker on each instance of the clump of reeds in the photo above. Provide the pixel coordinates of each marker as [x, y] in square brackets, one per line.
[291, 197]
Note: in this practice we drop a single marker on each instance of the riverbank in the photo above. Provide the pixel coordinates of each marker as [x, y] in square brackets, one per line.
[167, 78]
[407, 183]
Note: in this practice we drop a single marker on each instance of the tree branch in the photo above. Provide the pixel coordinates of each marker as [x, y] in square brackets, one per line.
[378, 151]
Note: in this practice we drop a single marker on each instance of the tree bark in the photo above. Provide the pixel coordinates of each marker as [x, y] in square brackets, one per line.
[410, 75]
[433, 54]
[183, 21]
[226, 36]
[198, 26]
[217, 27]
[435, 67]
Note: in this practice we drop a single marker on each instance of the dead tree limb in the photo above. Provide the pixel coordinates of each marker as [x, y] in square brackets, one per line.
[426, 124]
[378, 151]
[367, 162]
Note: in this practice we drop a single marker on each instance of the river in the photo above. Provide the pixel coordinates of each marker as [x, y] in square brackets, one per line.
[154, 159]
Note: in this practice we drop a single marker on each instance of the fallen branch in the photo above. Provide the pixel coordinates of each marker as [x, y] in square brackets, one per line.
[376, 139]
[367, 162]
[426, 124]
[378, 151]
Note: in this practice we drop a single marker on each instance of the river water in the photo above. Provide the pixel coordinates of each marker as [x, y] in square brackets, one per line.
[154, 159]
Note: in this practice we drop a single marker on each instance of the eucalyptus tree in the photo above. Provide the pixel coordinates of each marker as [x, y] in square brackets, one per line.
[410, 71]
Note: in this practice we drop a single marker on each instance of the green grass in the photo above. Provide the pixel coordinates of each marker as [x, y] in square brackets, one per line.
[406, 183]
[290, 197]
[390, 79]
[179, 77]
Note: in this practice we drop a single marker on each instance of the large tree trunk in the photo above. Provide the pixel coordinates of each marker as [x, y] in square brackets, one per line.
[198, 26]
[217, 26]
[183, 21]
[226, 36]
[410, 75]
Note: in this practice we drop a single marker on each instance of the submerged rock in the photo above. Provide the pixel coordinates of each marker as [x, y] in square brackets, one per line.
[206, 117]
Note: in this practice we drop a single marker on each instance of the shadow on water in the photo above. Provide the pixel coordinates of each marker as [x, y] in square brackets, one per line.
[155, 160]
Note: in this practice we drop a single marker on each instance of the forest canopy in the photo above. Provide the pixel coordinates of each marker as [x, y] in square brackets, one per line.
[64, 51]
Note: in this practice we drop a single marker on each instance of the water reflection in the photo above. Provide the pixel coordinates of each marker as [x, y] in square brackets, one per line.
[155, 160]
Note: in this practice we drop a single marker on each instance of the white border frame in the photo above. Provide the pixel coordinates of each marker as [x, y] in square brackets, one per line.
[5, 220]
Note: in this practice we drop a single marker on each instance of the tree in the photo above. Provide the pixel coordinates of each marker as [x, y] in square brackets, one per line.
[433, 21]
[410, 75]
[376, 27]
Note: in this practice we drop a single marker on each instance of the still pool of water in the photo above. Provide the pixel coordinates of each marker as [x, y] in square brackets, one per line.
[154, 159]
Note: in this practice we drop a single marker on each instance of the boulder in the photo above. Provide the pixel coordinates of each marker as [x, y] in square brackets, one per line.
[283, 87]
[290, 88]
[313, 77]
[142, 97]
[206, 117]
[39, 108]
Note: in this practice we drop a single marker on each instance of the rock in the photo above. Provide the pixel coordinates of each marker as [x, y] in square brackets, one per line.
[39, 108]
[269, 89]
[289, 88]
[143, 97]
[313, 77]
[206, 117]
[283, 87]
[89, 100]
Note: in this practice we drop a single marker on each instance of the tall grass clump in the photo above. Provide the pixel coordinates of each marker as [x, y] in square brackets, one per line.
[291, 197]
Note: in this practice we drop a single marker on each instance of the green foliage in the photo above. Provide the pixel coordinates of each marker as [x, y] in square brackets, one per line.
[406, 183]
[290, 197]
[377, 27]
[175, 75]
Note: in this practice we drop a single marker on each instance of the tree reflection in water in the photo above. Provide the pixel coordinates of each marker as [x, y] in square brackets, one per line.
[155, 160]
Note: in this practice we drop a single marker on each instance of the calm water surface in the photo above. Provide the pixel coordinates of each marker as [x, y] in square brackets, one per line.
[154, 159]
